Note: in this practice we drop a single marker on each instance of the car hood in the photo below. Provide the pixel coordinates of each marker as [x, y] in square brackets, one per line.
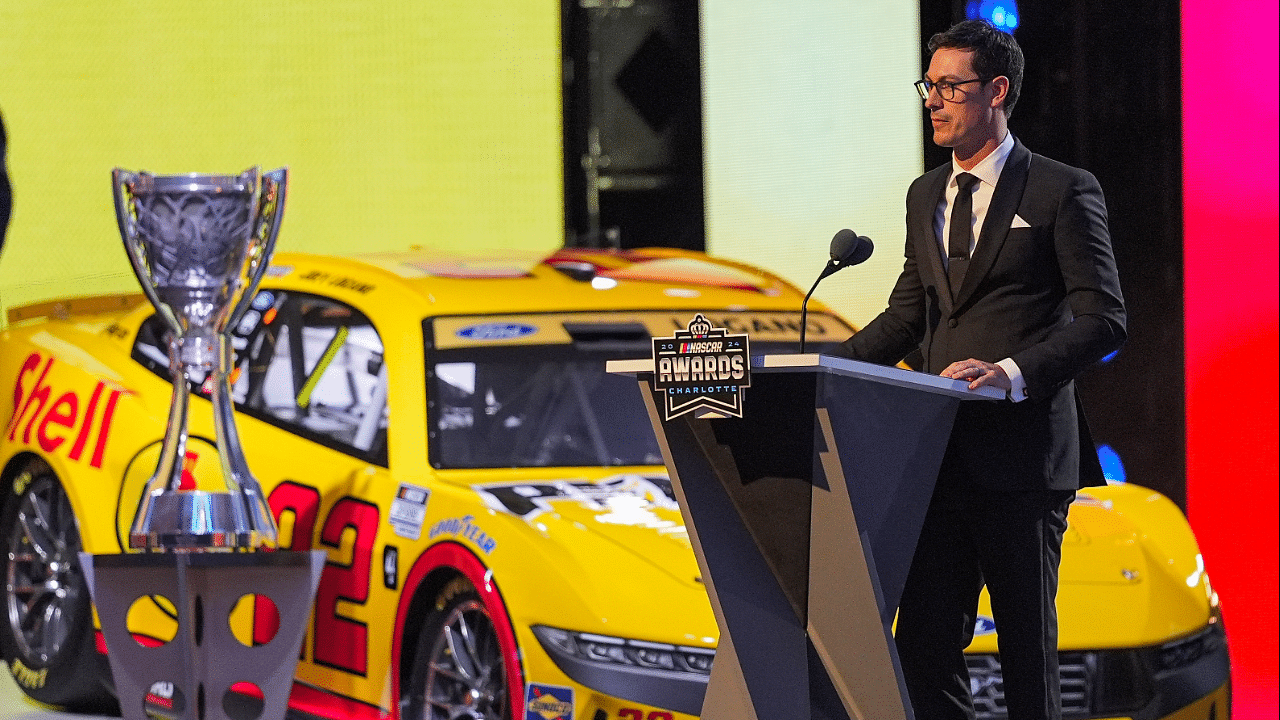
[619, 542]
[1131, 574]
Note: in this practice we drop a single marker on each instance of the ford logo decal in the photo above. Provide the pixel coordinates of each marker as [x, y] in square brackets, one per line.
[984, 625]
[496, 331]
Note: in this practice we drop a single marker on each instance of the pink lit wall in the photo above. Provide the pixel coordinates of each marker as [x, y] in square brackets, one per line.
[1230, 120]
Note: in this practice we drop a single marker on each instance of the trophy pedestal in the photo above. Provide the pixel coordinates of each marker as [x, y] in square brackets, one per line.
[193, 520]
[204, 671]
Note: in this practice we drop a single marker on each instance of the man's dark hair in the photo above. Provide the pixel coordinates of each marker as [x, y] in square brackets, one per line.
[996, 53]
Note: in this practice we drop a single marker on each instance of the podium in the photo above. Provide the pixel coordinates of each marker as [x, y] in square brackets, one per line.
[804, 515]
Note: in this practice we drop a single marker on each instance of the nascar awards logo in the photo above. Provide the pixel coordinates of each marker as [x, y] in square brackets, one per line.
[702, 369]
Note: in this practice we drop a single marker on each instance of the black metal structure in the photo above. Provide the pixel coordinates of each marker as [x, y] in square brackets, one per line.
[632, 124]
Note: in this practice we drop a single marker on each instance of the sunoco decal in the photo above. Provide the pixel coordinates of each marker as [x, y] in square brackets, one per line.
[702, 368]
[548, 702]
[496, 331]
[984, 625]
[408, 510]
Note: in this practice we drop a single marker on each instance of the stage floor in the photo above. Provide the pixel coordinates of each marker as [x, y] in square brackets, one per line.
[1252, 702]
[15, 706]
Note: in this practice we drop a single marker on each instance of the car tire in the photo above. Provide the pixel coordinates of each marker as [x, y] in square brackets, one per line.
[47, 634]
[458, 669]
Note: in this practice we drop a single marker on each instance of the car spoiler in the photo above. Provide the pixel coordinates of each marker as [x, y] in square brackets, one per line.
[65, 308]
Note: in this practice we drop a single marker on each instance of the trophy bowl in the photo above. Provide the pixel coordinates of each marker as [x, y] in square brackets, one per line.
[199, 245]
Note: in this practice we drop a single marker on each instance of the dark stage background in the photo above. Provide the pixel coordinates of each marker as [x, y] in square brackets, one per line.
[1094, 97]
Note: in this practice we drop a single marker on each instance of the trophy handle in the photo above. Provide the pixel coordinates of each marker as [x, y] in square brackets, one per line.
[269, 192]
[168, 473]
[250, 508]
[121, 180]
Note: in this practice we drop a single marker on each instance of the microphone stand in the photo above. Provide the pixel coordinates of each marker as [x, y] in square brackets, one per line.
[847, 248]
[832, 266]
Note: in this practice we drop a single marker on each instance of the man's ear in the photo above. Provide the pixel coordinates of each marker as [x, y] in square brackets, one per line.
[1001, 87]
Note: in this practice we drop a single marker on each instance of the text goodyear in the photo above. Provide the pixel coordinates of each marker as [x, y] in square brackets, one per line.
[464, 527]
[28, 678]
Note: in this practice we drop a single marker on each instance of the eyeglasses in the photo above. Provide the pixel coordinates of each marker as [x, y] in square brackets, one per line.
[946, 89]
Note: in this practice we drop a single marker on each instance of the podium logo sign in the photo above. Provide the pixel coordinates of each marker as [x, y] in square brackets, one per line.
[702, 369]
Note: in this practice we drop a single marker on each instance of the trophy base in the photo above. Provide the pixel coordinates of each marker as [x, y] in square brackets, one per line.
[199, 671]
[193, 520]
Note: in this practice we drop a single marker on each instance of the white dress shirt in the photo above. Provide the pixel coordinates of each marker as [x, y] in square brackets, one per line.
[988, 173]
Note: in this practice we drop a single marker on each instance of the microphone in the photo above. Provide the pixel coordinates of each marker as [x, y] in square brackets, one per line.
[847, 248]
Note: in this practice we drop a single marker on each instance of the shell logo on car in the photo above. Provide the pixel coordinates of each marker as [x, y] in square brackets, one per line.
[56, 416]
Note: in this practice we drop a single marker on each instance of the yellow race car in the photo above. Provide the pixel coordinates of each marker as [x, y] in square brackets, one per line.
[503, 542]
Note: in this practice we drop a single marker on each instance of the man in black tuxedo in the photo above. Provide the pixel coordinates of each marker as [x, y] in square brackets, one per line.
[1009, 281]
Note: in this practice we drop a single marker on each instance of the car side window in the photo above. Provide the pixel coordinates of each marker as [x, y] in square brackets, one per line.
[306, 363]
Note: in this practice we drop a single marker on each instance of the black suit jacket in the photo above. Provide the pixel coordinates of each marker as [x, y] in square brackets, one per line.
[1047, 296]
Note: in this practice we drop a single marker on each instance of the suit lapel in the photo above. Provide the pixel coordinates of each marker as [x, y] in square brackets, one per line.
[1004, 205]
[927, 238]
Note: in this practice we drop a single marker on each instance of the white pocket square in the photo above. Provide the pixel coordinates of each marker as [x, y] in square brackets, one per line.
[1018, 222]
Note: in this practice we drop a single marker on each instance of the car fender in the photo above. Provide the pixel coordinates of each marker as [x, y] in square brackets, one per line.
[455, 557]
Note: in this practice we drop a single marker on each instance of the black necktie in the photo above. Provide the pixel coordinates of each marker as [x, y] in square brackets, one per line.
[960, 232]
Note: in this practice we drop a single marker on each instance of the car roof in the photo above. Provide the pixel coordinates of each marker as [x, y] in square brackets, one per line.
[565, 280]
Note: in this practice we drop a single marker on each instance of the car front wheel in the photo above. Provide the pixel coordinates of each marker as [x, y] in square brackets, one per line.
[47, 633]
[458, 670]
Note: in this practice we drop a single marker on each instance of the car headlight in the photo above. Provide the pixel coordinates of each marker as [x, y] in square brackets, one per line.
[622, 651]
[658, 674]
[1121, 682]
[1181, 653]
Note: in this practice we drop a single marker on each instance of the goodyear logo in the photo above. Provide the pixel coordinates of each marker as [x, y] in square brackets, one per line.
[28, 678]
[702, 369]
[548, 702]
[464, 527]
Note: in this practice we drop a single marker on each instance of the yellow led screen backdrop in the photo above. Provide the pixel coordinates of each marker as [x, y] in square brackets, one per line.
[430, 123]
[811, 125]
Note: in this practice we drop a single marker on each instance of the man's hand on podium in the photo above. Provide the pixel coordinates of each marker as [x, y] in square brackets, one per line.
[979, 373]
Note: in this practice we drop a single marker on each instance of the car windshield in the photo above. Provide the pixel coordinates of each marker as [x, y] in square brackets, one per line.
[541, 406]
[537, 407]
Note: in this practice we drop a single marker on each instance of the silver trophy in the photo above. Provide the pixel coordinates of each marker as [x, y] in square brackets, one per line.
[199, 245]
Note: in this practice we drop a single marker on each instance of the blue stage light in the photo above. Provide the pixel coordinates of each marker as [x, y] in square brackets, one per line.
[1112, 467]
[1001, 13]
